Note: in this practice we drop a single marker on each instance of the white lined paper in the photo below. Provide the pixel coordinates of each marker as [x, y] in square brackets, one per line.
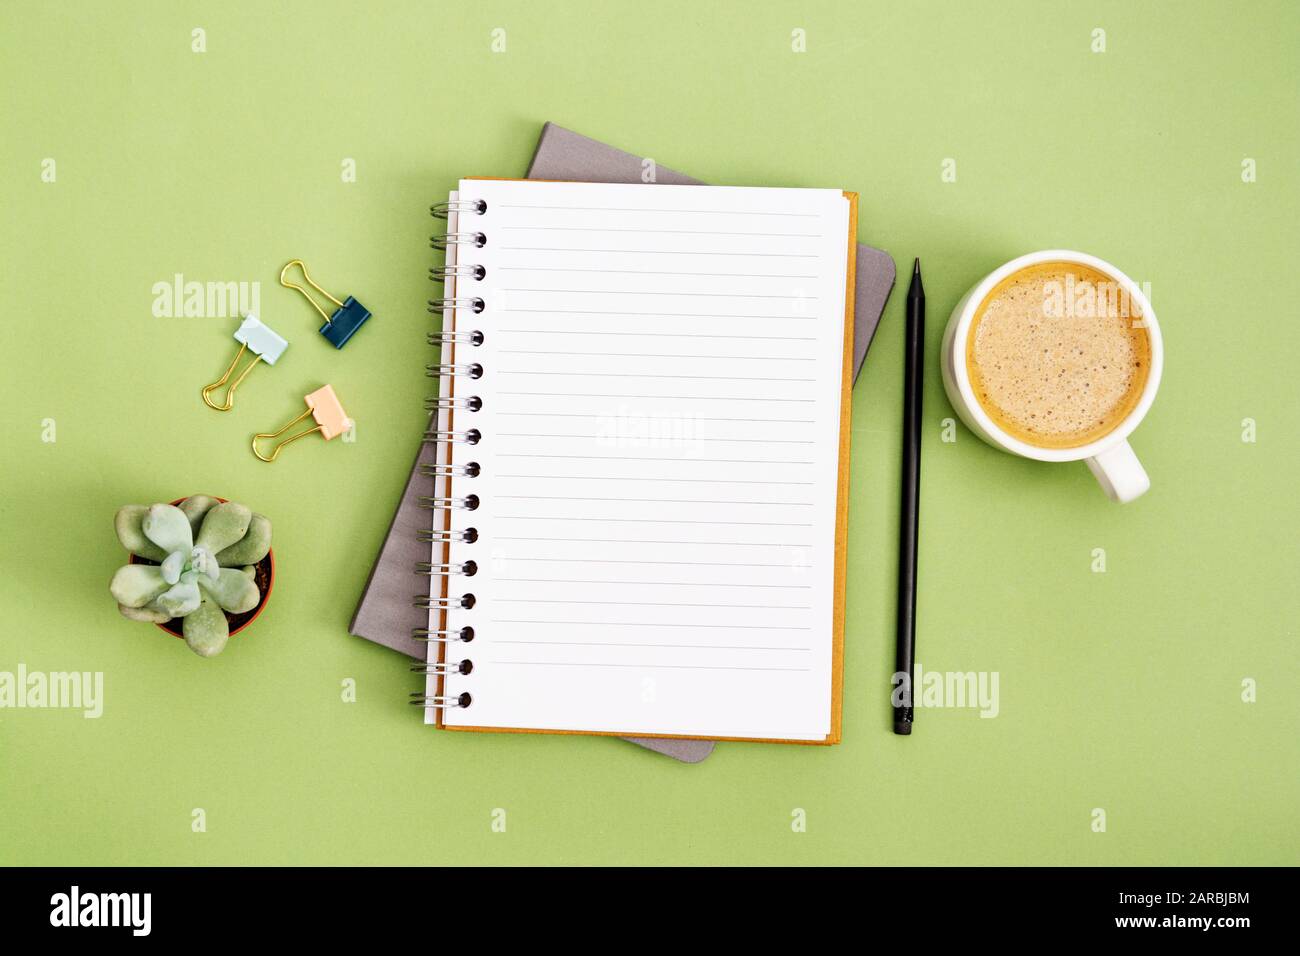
[662, 385]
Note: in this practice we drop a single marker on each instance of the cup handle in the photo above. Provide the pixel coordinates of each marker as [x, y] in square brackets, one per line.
[1120, 473]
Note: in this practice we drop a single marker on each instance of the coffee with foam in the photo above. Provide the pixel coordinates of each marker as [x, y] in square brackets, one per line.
[1058, 355]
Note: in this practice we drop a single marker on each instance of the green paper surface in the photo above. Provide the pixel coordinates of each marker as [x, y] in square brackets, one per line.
[1119, 690]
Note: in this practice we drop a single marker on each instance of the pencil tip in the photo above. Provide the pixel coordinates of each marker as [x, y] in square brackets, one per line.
[916, 290]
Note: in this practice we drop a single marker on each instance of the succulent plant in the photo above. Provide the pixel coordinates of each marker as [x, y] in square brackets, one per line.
[206, 551]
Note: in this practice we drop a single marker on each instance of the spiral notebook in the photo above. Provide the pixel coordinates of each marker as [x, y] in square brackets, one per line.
[643, 437]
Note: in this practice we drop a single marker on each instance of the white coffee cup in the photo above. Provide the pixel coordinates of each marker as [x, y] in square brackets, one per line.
[1109, 458]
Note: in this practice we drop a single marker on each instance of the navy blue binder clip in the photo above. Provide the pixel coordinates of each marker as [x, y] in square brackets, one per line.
[347, 318]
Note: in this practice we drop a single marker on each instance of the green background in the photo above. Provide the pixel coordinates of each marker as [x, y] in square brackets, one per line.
[1120, 690]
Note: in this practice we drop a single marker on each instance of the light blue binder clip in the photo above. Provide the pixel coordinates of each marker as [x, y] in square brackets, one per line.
[266, 345]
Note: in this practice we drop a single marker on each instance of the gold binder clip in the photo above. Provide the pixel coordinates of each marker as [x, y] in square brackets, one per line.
[331, 421]
[267, 346]
[346, 319]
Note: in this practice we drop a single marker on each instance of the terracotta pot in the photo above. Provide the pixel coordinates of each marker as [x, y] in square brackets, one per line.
[265, 574]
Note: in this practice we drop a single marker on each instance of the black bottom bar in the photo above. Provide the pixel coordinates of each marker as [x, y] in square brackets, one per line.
[420, 906]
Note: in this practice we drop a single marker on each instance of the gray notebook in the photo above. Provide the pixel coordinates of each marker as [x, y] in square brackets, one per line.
[385, 613]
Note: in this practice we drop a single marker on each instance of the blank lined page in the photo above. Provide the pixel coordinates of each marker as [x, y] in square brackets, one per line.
[660, 422]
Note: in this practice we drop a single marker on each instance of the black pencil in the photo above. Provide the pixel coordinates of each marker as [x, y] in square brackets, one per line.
[909, 511]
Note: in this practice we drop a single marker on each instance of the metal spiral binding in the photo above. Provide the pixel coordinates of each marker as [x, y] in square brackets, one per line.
[443, 471]
[439, 536]
[441, 210]
[444, 242]
[467, 568]
[470, 303]
[466, 601]
[447, 667]
[439, 369]
[474, 338]
[440, 700]
[471, 403]
[434, 502]
[464, 635]
[471, 469]
[443, 273]
[470, 436]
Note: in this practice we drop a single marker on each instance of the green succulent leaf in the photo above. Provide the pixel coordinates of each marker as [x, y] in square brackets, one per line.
[206, 630]
[234, 590]
[167, 527]
[129, 525]
[223, 525]
[252, 548]
[181, 599]
[146, 613]
[195, 507]
[135, 585]
[203, 561]
[172, 567]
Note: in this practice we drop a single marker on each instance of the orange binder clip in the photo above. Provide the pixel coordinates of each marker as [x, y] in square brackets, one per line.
[323, 406]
